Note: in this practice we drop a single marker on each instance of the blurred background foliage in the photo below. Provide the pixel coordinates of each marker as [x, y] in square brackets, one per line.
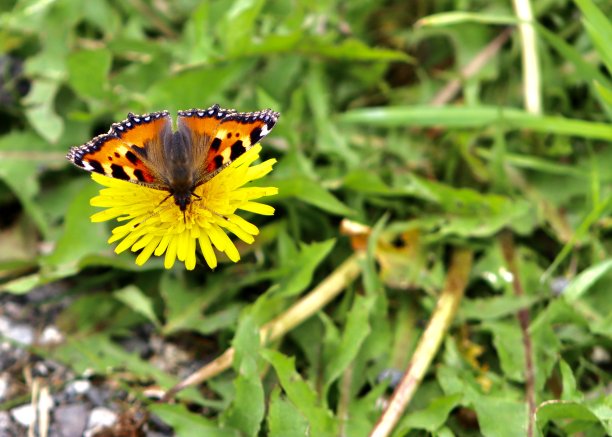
[367, 134]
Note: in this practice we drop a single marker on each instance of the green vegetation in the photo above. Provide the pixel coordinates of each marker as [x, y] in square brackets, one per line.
[413, 155]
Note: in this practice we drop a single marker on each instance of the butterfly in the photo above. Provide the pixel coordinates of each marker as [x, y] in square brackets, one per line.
[144, 149]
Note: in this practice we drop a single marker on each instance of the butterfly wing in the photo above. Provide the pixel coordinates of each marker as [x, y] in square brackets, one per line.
[129, 151]
[219, 136]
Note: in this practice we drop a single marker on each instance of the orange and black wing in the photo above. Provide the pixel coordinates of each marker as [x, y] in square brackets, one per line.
[129, 150]
[219, 136]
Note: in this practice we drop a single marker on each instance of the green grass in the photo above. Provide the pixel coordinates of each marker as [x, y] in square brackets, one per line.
[526, 195]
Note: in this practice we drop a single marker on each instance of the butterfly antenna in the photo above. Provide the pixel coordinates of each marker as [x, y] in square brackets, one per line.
[164, 199]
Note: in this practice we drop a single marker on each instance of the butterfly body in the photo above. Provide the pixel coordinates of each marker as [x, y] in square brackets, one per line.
[144, 149]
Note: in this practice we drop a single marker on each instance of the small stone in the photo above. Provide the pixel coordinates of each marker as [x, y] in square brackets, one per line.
[78, 387]
[5, 421]
[24, 414]
[51, 335]
[4, 386]
[100, 418]
[18, 332]
[71, 419]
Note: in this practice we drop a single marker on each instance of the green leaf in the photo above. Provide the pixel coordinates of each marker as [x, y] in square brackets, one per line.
[493, 411]
[312, 193]
[317, 46]
[188, 424]
[40, 110]
[476, 117]
[446, 18]
[563, 411]
[284, 419]
[186, 307]
[430, 418]
[320, 420]
[20, 173]
[189, 89]
[581, 283]
[599, 28]
[508, 341]
[98, 354]
[356, 331]
[570, 390]
[328, 138]
[368, 182]
[469, 213]
[300, 267]
[495, 307]
[354, 50]
[142, 304]
[71, 246]
[237, 26]
[248, 406]
[88, 73]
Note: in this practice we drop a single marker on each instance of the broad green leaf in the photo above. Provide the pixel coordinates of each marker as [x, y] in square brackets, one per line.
[248, 406]
[368, 182]
[88, 73]
[563, 411]
[320, 420]
[355, 332]
[185, 307]
[72, 247]
[469, 213]
[312, 193]
[195, 88]
[508, 341]
[570, 390]
[21, 175]
[237, 26]
[500, 417]
[354, 50]
[284, 420]
[40, 110]
[142, 304]
[300, 268]
[430, 418]
[99, 354]
[495, 307]
[187, 424]
[581, 283]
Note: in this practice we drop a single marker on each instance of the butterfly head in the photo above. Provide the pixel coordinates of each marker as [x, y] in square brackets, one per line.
[182, 200]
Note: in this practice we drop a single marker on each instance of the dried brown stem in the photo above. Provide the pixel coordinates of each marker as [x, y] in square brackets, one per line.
[506, 241]
[452, 88]
[456, 281]
[276, 328]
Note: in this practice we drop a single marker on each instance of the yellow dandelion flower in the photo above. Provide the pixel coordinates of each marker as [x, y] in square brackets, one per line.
[155, 225]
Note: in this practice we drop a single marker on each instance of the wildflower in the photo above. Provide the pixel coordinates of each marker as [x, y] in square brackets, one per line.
[154, 224]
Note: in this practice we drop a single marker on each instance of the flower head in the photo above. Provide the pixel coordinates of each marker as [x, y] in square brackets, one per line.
[155, 225]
